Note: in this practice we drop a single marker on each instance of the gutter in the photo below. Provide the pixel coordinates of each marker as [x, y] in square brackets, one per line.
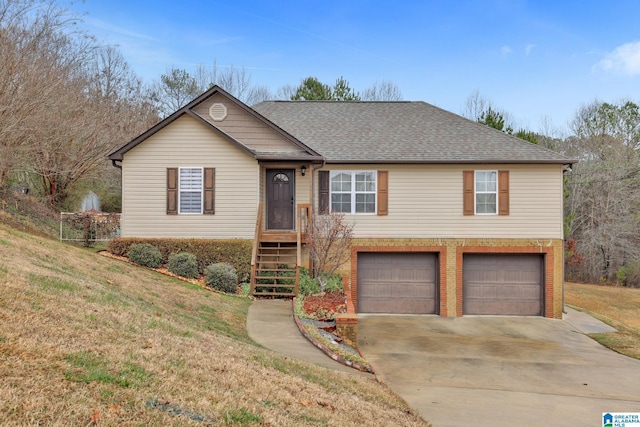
[567, 168]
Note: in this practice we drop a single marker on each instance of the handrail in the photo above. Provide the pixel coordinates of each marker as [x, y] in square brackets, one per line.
[298, 247]
[299, 235]
[256, 236]
[304, 226]
[254, 250]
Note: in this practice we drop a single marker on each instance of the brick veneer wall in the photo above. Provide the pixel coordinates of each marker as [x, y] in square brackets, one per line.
[451, 253]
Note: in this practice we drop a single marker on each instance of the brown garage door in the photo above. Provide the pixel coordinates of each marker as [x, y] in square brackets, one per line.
[397, 282]
[502, 284]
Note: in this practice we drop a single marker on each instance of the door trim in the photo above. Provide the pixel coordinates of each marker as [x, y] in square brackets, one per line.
[292, 182]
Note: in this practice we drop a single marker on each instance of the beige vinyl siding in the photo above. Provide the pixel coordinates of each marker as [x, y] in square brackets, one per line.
[427, 201]
[187, 143]
[245, 128]
[303, 186]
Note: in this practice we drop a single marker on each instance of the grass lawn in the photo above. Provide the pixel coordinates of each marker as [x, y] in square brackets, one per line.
[616, 306]
[88, 340]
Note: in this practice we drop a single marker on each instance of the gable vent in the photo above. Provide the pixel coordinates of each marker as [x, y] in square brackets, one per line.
[218, 112]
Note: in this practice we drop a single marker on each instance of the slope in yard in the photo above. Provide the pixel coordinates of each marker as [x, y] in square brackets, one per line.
[614, 305]
[87, 340]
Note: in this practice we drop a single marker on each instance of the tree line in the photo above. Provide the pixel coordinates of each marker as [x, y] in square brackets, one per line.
[66, 102]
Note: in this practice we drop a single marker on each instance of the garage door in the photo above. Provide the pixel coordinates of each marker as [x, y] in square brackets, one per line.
[397, 282]
[502, 284]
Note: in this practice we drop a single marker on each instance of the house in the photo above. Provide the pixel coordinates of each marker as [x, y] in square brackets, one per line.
[451, 217]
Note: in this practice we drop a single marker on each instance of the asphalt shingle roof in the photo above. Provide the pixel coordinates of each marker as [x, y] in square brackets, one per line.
[398, 132]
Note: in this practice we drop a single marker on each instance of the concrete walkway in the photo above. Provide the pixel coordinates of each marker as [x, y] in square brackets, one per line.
[584, 323]
[270, 324]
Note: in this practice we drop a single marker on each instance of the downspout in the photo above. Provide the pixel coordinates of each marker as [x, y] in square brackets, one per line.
[114, 164]
[313, 199]
[565, 169]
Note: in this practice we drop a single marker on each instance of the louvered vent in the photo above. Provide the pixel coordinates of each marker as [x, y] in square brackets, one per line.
[218, 112]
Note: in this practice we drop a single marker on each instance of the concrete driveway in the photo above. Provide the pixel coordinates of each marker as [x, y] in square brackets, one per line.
[499, 371]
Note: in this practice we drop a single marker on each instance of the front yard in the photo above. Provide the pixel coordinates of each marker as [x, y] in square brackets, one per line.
[616, 306]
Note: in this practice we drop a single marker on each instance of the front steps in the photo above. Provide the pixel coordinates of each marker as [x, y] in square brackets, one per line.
[275, 271]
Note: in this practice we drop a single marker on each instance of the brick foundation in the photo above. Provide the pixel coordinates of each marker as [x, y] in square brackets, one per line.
[347, 328]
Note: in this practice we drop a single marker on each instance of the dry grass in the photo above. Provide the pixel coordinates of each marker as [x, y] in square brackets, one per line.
[616, 306]
[88, 340]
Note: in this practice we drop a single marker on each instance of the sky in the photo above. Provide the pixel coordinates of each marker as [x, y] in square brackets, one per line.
[540, 61]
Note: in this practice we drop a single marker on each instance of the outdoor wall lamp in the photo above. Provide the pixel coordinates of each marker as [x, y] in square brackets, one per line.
[303, 170]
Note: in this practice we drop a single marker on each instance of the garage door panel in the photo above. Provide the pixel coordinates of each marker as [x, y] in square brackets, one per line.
[397, 282]
[504, 284]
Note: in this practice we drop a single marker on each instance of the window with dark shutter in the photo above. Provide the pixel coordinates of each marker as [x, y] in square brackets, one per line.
[191, 191]
[482, 198]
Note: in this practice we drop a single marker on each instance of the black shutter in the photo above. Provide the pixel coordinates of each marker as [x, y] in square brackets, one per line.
[209, 191]
[172, 191]
[323, 193]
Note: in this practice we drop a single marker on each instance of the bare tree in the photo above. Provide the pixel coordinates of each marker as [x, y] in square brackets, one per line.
[329, 244]
[258, 94]
[33, 54]
[604, 192]
[475, 105]
[385, 90]
[286, 92]
[64, 101]
[478, 105]
[110, 77]
[178, 86]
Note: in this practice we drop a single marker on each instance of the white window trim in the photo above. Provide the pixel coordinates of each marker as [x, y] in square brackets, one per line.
[476, 192]
[190, 191]
[353, 191]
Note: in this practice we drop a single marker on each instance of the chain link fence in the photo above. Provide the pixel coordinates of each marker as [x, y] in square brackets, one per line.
[89, 227]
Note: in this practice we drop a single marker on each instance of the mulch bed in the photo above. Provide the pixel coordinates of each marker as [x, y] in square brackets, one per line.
[325, 306]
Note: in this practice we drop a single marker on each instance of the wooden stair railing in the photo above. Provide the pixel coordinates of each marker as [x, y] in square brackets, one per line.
[256, 243]
[277, 256]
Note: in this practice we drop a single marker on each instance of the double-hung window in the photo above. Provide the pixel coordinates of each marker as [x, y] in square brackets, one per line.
[486, 192]
[190, 189]
[353, 192]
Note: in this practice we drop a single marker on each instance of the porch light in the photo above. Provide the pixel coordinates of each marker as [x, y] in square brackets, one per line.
[303, 170]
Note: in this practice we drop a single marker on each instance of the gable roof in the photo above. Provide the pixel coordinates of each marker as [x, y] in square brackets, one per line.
[399, 132]
[305, 153]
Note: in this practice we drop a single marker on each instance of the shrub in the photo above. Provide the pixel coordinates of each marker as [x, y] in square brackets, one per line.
[335, 284]
[310, 286]
[146, 255]
[222, 277]
[307, 285]
[235, 252]
[183, 264]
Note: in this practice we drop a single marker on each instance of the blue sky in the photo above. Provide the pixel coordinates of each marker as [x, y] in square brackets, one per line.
[534, 59]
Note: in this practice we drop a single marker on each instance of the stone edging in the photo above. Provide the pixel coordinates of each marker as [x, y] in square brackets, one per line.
[327, 350]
